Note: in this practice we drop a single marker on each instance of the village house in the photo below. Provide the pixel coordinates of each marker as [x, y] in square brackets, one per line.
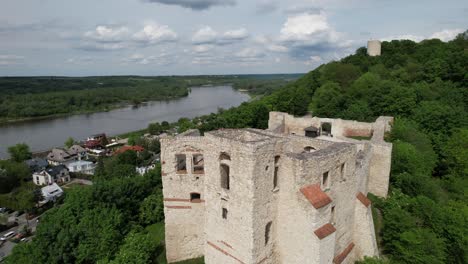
[59, 156]
[51, 193]
[81, 166]
[36, 164]
[137, 149]
[295, 193]
[78, 151]
[56, 174]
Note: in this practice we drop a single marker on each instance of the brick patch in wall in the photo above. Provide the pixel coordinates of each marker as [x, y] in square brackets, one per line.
[324, 231]
[224, 252]
[363, 199]
[342, 256]
[178, 207]
[176, 200]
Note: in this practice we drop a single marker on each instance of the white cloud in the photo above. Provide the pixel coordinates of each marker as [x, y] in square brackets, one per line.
[10, 59]
[105, 33]
[307, 27]
[236, 34]
[270, 44]
[415, 38]
[80, 60]
[205, 35]
[250, 54]
[447, 34]
[202, 48]
[153, 33]
[162, 58]
[444, 35]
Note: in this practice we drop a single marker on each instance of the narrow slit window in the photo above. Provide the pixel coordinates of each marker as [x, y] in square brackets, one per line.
[325, 180]
[267, 232]
[224, 171]
[332, 217]
[342, 170]
[275, 173]
[225, 213]
[275, 178]
[181, 163]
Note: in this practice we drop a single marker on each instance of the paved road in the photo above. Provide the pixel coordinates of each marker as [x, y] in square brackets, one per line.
[7, 246]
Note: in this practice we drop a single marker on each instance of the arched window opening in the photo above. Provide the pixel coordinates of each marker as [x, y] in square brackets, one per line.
[267, 232]
[224, 156]
[224, 170]
[309, 149]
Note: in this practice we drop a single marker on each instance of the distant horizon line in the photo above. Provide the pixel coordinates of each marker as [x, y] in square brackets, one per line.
[137, 75]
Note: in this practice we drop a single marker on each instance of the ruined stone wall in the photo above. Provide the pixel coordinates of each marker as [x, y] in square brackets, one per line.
[230, 240]
[195, 228]
[184, 219]
[295, 239]
[379, 170]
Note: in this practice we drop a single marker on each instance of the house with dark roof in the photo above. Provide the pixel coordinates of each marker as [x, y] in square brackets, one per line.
[56, 174]
[36, 164]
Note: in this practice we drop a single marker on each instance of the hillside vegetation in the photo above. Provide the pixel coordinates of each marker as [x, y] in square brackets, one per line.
[424, 85]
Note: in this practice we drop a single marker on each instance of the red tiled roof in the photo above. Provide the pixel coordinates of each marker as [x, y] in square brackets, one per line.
[126, 148]
[342, 256]
[364, 200]
[324, 231]
[316, 196]
[93, 143]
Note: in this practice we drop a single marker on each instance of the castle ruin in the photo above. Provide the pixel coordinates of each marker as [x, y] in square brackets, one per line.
[295, 193]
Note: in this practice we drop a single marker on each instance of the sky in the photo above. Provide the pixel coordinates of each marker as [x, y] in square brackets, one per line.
[193, 37]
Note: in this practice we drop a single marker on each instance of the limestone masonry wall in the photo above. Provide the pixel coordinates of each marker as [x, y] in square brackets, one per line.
[275, 196]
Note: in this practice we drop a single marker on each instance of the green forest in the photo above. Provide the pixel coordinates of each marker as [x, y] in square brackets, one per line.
[23, 98]
[424, 219]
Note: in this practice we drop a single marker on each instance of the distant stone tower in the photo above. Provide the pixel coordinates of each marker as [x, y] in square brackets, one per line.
[374, 47]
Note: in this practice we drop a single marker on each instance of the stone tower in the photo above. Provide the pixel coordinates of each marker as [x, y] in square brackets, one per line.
[374, 47]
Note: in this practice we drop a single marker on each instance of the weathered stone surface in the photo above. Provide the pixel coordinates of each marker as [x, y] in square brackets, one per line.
[263, 213]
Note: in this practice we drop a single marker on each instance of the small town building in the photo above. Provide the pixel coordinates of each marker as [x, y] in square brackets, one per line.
[144, 169]
[79, 151]
[60, 156]
[56, 174]
[51, 192]
[82, 166]
[36, 164]
[127, 148]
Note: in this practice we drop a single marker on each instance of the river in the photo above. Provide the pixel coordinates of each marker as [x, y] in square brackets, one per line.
[42, 135]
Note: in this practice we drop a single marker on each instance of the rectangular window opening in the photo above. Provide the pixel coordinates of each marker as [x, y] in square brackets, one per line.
[181, 165]
[195, 197]
[198, 164]
[225, 213]
[325, 180]
[275, 178]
